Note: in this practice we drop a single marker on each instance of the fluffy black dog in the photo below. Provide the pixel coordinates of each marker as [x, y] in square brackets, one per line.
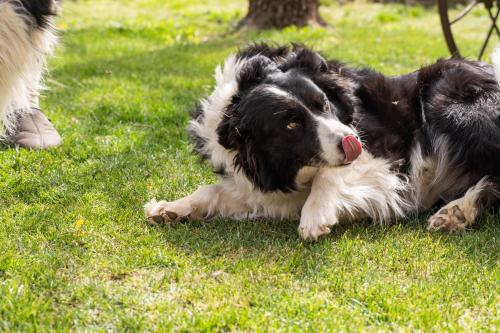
[283, 129]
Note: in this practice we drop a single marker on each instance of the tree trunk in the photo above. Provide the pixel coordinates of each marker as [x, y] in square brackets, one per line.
[281, 13]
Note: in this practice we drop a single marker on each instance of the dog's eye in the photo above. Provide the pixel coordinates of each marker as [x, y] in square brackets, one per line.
[292, 125]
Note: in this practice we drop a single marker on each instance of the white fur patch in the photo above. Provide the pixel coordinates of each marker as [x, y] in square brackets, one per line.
[434, 177]
[495, 59]
[22, 58]
[469, 202]
[277, 91]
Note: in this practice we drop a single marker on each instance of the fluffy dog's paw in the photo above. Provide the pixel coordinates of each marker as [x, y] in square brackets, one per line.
[164, 212]
[314, 226]
[311, 232]
[450, 218]
[316, 221]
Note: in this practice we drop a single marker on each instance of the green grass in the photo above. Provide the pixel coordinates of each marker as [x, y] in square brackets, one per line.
[76, 253]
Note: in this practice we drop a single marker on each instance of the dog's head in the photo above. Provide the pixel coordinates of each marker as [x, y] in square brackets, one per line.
[290, 110]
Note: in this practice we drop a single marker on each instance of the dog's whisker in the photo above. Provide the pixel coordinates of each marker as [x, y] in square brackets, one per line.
[278, 112]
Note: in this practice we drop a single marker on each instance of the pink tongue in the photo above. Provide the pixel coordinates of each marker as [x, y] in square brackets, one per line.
[352, 148]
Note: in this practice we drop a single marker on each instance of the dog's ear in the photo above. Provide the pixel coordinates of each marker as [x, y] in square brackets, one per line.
[230, 131]
[254, 71]
[273, 52]
[341, 92]
[306, 60]
[265, 173]
[233, 133]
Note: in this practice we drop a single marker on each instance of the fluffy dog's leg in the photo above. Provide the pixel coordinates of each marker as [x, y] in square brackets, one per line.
[462, 213]
[205, 202]
[368, 188]
[320, 212]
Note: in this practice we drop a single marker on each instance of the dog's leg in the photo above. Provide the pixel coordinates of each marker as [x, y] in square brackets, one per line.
[205, 202]
[368, 188]
[319, 212]
[462, 213]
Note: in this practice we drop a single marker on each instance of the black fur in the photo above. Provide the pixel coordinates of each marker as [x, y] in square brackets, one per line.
[462, 102]
[276, 54]
[39, 11]
[455, 99]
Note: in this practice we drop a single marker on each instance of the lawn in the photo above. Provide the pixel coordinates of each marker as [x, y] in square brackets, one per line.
[77, 254]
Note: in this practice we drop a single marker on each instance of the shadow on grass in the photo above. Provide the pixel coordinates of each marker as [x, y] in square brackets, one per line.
[246, 238]
[187, 59]
[156, 88]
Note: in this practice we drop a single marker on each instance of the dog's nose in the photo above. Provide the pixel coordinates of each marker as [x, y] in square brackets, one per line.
[338, 143]
[334, 137]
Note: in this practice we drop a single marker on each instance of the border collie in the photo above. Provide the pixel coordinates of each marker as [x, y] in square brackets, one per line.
[26, 36]
[293, 135]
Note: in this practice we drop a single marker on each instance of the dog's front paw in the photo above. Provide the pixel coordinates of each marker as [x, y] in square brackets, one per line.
[314, 225]
[450, 218]
[165, 212]
[313, 231]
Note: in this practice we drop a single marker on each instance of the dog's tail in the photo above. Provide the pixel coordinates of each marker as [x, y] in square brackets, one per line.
[495, 59]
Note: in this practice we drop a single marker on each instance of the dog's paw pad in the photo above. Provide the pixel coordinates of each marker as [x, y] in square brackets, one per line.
[457, 213]
[164, 217]
[448, 219]
[162, 212]
[154, 220]
[171, 215]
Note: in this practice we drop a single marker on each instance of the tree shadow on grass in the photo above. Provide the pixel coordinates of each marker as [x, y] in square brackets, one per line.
[187, 59]
[155, 88]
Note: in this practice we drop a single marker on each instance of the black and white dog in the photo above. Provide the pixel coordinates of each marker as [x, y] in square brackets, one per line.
[283, 128]
[26, 37]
